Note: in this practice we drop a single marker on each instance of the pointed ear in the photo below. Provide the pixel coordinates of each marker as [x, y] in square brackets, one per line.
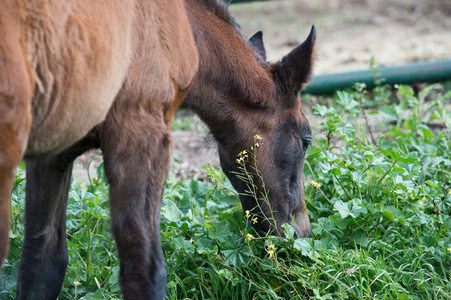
[256, 42]
[294, 70]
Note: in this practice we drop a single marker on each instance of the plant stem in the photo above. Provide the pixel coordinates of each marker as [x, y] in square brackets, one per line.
[386, 173]
[346, 192]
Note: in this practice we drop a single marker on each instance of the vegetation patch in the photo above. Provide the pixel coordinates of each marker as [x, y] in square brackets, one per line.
[380, 208]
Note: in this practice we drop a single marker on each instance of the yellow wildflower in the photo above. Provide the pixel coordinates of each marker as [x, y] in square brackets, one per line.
[257, 145]
[449, 249]
[315, 184]
[241, 156]
[271, 250]
[257, 137]
[77, 283]
[254, 220]
[249, 236]
[424, 198]
[247, 214]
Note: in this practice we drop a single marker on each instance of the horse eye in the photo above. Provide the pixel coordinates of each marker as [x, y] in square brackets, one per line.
[306, 142]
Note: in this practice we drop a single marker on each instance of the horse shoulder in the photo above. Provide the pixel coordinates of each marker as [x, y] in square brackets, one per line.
[165, 59]
[78, 53]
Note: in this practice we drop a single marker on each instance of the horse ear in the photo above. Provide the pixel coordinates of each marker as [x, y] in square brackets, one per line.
[294, 70]
[256, 42]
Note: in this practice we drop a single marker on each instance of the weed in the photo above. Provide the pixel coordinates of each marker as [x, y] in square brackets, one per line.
[380, 208]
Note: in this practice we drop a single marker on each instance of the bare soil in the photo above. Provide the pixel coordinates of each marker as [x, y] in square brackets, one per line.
[349, 33]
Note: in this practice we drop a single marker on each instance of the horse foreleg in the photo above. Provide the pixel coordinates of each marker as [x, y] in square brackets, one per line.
[136, 153]
[15, 111]
[44, 254]
[11, 149]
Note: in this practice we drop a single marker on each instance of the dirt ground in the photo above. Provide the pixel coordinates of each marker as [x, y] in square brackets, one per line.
[349, 33]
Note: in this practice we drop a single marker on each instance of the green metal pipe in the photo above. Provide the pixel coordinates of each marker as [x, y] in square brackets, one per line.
[435, 71]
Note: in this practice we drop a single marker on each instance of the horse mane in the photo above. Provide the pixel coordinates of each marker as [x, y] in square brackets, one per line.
[220, 9]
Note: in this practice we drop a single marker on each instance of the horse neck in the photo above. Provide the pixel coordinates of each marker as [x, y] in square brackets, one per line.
[230, 80]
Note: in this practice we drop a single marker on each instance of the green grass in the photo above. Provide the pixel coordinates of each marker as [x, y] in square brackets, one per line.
[380, 211]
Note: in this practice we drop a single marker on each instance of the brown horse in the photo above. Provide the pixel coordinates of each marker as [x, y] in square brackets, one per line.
[75, 75]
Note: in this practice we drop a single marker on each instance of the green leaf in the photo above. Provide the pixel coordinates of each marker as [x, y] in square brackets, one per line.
[322, 110]
[114, 279]
[170, 211]
[334, 171]
[94, 296]
[324, 167]
[357, 176]
[8, 278]
[346, 100]
[288, 230]
[236, 253]
[303, 246]
[219, 231]
[205, 246]
[389, 112]
[313, 152]
[342, 208]
[438, 160]
[338, 221]
[395, 155]
[357, 210]
[182, 244]
[403, 296]
[360, 237]
[345, 210]
[389, 215]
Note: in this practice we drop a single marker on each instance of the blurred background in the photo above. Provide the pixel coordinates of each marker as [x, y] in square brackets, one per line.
[351, 31]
